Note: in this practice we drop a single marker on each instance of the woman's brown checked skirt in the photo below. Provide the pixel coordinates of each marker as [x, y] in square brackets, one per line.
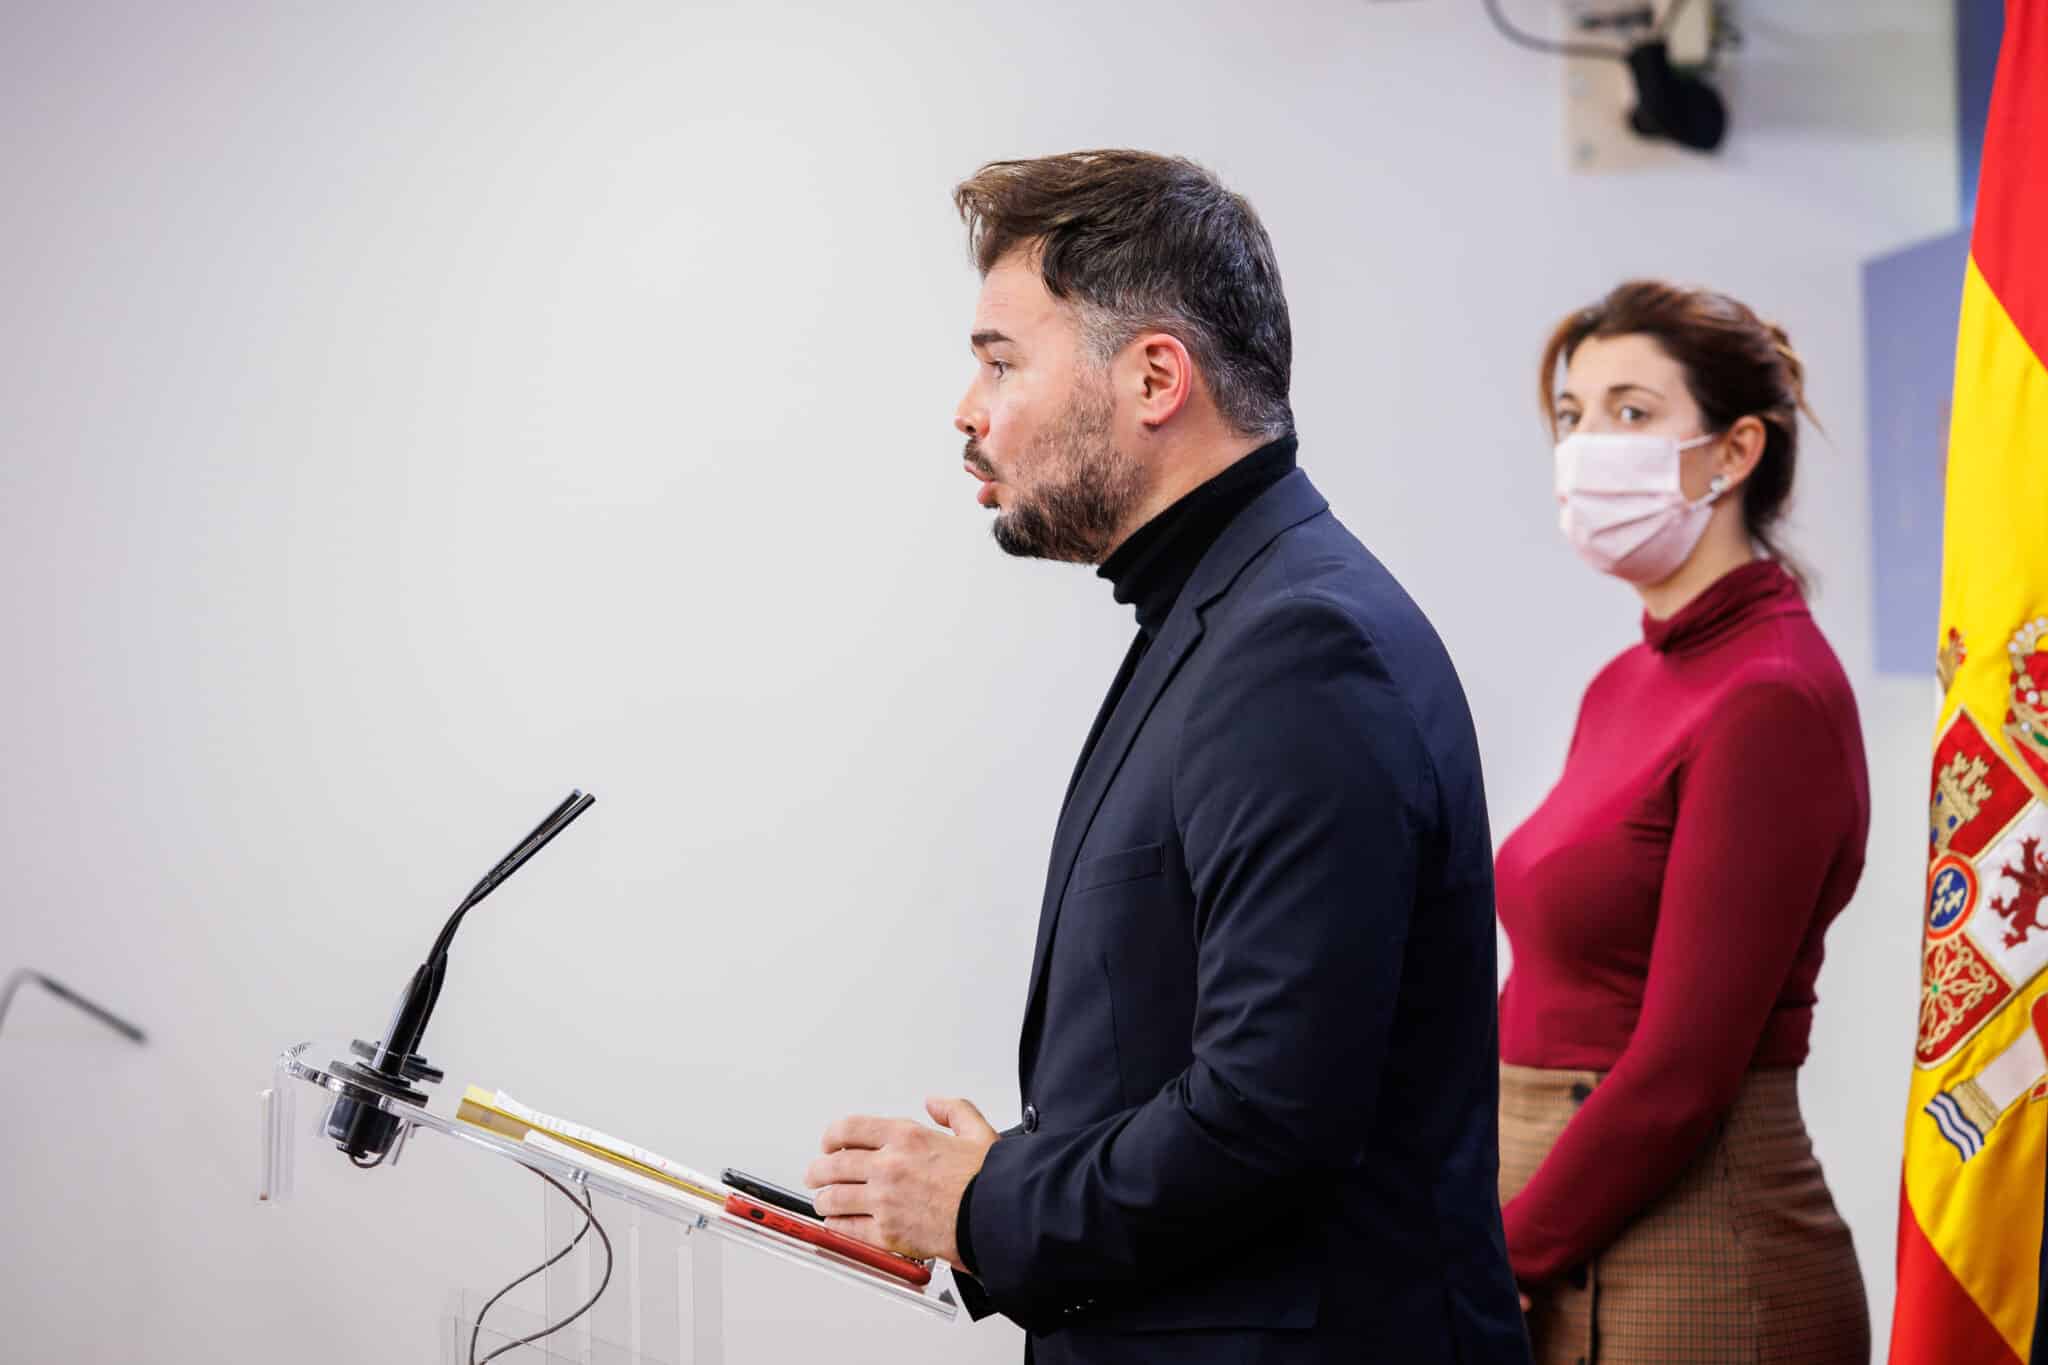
[1743, 1259]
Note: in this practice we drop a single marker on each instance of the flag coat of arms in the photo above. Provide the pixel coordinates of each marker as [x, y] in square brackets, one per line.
[1970, 1218]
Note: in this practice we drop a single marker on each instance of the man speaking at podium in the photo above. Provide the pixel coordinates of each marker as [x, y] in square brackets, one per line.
[1258, 1060]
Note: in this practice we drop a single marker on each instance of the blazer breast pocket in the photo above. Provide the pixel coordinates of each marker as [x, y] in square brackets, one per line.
[1124, 865]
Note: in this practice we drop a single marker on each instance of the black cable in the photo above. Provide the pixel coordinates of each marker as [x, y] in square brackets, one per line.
[1556, 49]
[65, 993]
[1595, 50]
[589, 1222]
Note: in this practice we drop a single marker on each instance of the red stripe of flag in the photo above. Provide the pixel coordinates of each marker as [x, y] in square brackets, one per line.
[2012, 190]
[1935, 1321]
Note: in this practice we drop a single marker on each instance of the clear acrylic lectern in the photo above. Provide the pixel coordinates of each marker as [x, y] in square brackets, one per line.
[663, 1302]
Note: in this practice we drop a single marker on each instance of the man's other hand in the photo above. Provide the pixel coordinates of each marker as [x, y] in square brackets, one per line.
[897, 1183]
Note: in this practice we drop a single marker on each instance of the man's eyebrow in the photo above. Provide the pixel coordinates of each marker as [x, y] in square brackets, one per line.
[986, 339]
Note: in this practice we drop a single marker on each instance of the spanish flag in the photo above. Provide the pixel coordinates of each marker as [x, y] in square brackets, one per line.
[1970, 1220]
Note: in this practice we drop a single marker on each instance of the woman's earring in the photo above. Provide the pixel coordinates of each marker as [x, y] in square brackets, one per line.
[1717, 485]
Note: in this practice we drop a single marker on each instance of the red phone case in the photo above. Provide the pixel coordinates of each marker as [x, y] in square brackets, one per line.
[818, 1235]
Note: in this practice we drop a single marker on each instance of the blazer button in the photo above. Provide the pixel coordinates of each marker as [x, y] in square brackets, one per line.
[1581, 1092]
[1030, 1118]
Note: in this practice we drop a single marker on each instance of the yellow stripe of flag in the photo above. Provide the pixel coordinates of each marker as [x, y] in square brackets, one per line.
[1983, 1216]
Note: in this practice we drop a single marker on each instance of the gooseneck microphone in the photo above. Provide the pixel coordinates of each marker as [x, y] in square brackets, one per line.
[361, 1127]
[23, 975]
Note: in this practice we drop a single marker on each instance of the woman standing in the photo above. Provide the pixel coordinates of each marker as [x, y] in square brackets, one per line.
[1665, 904]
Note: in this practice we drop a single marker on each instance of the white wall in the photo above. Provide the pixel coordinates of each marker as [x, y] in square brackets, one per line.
[412, 411]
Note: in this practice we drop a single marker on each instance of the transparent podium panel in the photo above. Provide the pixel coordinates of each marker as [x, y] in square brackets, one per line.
[626, 1270]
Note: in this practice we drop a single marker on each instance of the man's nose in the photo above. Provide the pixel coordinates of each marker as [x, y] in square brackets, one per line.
[970, 419]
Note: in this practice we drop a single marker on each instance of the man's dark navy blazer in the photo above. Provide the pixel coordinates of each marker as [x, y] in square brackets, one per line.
[1259, 1064]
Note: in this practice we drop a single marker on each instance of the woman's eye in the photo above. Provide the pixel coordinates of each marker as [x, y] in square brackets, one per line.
[1567, 420]
[1632, 414]
[1001, 367]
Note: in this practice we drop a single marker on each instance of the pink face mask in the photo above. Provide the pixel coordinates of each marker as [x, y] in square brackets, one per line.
[1621, 506]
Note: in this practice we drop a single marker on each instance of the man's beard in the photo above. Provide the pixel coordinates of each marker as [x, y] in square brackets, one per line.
[1086, 493]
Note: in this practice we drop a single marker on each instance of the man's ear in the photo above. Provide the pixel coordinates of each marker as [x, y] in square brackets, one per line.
[1157, 375]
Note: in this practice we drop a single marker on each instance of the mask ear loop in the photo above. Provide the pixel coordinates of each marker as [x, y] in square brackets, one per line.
[1717, 485]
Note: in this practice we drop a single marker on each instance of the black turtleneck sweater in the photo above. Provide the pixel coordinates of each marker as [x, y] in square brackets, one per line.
[1150, 568]
[1148, 572]
[1156, 561]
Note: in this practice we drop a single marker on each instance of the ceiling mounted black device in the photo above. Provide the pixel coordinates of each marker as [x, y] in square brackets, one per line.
[1675, 104]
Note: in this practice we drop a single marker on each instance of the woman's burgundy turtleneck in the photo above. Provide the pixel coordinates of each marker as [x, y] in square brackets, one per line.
[1666, 902]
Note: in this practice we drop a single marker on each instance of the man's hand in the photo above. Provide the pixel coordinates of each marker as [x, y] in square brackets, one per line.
[897, 1183]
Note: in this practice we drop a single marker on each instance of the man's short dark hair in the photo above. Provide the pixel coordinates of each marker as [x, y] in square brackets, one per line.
[1141, 242]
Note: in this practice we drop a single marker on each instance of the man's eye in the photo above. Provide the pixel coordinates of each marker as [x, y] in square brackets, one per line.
[1001, 367]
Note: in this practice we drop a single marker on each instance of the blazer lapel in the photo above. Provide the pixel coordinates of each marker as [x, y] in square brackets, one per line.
[1117, 688]
[1286, 503]
[1161, 661]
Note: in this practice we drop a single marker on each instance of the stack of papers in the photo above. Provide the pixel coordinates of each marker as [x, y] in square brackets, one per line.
[502, 1114]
